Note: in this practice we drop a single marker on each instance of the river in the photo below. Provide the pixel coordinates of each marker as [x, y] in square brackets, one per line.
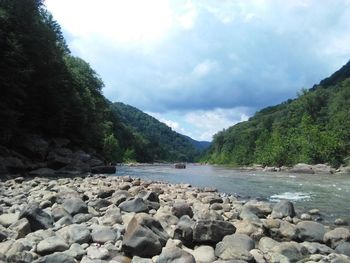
[328, 193]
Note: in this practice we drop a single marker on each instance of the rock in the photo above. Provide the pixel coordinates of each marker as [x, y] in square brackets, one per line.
[56, 161]
[252, 228]
[75, 206]
[58, 257]
[12, 164]
[174, 255]
[97, 252]
[266, 244]
[236, 246]
[51, 244]
[99, 203]
[35, 146]
[21, 227]
[211, 231]
[204, 254]
[180, 209]
[149, 196]
[42, 172]
[316, 248]
[336, 236]
[75, 234]
[283, 209]
[287, 231]
[286, 252]
[311, 231]
[111, 217]
[323, 169]
[184, 230]
[305, 217]
[103, 170]
[142, 232]
[37, 218]
[259, 208]
[7, 219]
[105, 192]
[136, 205]
[81, 218]
[302, 168]
[76, 251]
[343, 248]
[103, 234]
[340, 222]
[258, 256]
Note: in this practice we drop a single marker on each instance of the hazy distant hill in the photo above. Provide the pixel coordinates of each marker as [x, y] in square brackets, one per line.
[164, 143]
[313, 128]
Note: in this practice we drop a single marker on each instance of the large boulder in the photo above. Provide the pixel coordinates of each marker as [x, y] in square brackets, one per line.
[283, 209]
[310, 231]
[211, 231]
[184, 230]
[136, 205]
[144, 236]
[336, 236]
[235, 247]
[75, 206]
[175, 255]
[37, 218]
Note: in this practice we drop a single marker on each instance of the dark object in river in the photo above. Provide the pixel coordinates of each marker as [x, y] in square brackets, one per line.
[180, 166]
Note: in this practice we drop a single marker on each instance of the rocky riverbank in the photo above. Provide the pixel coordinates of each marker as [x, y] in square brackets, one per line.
[97, 219]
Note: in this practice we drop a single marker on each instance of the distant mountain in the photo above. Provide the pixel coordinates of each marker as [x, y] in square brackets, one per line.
[313, 128]
[164, 144]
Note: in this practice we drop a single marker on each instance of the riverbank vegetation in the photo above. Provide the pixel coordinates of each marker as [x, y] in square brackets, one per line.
[313, 128]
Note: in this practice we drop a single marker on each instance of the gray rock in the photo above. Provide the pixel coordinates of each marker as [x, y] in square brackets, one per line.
[211, 231]
[58, 212]
[103, 234]
[75, 234]
[111, 217]
[311, 231]
[283, 209]
[142, 232]
[180, 209]
[266, 244]
[343, 248]
[50, 245]
[7, 219]
[286, 252]
[175, 255]
[37, 218]
[236, 246]
[184, 230]
[302, 168]
[58, 257]
[97, 252]
[252, 228]
[136, 205]
[316, 248]
[336, 236]
[137, 259]
[204, 254]
[75, 206]
[287, 231]
[76, 251]
[21, 227]
[105, 192]
[81, 218]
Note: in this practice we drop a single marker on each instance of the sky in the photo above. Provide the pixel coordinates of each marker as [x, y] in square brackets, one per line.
[201, 66]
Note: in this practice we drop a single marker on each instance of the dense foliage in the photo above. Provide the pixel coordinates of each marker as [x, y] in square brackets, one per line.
[314, 128]
[162, 142]
[48, 92]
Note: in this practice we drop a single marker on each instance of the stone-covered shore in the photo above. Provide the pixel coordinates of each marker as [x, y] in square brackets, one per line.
[97, 219]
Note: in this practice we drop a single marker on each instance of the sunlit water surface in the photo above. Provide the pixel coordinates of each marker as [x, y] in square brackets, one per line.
[328, 193]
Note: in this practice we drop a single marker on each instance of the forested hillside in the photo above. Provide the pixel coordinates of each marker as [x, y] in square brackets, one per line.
[47, 92]
[162, 142]
[313, 128]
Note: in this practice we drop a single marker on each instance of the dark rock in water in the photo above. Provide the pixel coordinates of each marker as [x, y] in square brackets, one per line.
[236, 246]
[37, 218]
[180, 166]
[180, 209]
[175, 254]
[144, 236]
[211, 231]
[104, 169]
[184, 230]
[75, 206]
[58, 257]
[283, 209]
[136, 205]
[311, 231]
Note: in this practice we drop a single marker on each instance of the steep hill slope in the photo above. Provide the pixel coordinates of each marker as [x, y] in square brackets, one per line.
[164, 143]
[313, 128]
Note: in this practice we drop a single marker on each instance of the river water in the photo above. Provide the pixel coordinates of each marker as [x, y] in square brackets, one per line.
[328, 193]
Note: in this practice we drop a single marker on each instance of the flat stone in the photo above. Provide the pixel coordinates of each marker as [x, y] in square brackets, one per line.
[75, 206]
[7, 219]
[103, 234]
[136, 205]
[97, 252]
[51, 244]
[58, 257]
[174, 255]
[75, 234]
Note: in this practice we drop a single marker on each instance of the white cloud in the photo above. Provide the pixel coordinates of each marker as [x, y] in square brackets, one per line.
[204, 68]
